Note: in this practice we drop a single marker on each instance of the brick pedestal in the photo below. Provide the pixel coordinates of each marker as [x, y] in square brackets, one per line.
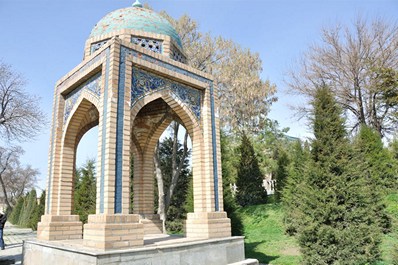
[208, 225]
[152, 224]
[113, 231]
[59, 227]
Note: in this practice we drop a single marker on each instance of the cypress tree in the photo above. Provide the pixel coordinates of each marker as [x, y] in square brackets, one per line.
[28, 209]
[249, 178]
[38, 212]
[294, 184]
[380, 169]
[16, 212]
[85, 191]
[337, 222]
[228, 178]
[281, 172]
[378, 160]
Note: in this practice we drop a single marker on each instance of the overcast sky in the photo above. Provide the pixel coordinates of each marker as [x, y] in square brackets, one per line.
[44, 40]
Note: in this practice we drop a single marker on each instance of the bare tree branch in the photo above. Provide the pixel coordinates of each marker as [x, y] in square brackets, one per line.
[360, 65]
[14, 178]
[20, 115]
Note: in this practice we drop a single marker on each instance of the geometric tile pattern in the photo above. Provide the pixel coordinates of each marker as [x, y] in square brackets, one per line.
[92, 85]
[149, 44]
[145, 83]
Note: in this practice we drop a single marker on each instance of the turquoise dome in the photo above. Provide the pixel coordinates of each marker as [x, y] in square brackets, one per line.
[138, 18]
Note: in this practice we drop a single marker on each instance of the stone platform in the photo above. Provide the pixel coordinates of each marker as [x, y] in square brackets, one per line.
[157, 250]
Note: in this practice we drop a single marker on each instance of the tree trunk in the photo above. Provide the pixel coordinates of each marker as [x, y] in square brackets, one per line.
[161, 195]
[166, 196]
[7, 201]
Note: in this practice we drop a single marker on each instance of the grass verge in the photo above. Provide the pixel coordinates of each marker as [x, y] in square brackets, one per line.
[266, 241]
[265, 238]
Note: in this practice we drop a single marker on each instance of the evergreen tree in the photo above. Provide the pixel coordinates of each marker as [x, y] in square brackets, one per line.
[379, 161]
[280, 174]
[380, 169]
[189, 202]
[28, 209]
[249, 178]
[294, 184]
[228, 179]
[16, 212]
[38, 212]
[85, 191]
[337, 223]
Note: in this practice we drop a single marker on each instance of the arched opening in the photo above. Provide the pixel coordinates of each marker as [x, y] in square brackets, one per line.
[148, 125]
[84, 186]
[84, 117]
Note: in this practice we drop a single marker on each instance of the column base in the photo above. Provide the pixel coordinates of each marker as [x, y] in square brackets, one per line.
[152, 224]
[208, 225]
[59, 227]
[113, 231]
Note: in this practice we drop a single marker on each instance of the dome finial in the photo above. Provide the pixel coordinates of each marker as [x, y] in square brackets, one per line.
[137, 4]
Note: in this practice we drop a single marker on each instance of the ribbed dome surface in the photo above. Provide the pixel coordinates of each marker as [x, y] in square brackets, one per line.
[137, 18]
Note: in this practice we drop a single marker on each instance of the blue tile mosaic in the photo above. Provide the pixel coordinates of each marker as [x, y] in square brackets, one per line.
[119, 131]
[166, 65]
[149, 44]
[144, 83]
[92, 85]
[103, 140]
[96, 46]
[214, 144]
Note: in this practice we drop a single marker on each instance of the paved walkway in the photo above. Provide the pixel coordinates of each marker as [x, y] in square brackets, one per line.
[13, 238]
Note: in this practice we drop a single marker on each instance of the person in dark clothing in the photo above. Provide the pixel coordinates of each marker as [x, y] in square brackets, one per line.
[3, 219]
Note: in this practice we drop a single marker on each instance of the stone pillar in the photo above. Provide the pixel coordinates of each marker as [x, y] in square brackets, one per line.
[58, 223]
[112, 226]
[59, 227]
[113, 231]
[144, 193]
[208, 219]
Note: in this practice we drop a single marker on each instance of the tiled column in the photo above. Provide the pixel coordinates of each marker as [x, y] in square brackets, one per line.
[112, 227]
[208, 219]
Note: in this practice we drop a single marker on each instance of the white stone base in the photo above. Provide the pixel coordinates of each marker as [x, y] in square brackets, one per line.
[165, 250]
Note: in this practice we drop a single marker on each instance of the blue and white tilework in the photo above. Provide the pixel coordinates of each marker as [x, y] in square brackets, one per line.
[149, 44]
[92, 85]
[144, 83]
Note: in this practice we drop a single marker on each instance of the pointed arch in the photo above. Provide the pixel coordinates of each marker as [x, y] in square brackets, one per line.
[84, 116]
[143, 162]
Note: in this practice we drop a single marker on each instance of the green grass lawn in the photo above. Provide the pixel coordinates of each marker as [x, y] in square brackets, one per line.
[266, 241]
[265, 238]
